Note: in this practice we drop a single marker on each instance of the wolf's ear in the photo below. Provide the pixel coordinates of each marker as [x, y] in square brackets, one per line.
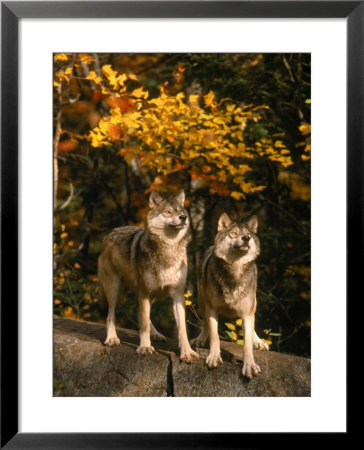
[224, 222]
[154, 199]
[180, 198]
[253, 223]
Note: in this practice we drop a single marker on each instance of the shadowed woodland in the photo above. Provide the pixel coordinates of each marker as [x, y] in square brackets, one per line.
[232, 130]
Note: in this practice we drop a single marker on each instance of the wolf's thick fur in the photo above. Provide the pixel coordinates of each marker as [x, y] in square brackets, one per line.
[227, 284]
[153, 262]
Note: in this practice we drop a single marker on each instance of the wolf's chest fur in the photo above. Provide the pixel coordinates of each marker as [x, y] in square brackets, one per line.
[165, 270]
[235, 287]
[165, 276]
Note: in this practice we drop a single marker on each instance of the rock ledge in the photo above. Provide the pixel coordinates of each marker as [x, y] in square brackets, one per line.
[84, 367]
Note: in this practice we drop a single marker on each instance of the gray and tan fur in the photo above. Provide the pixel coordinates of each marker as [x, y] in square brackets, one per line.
[227, 284]
[152, 261]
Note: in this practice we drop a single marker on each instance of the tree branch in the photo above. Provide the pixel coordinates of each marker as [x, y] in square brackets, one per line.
[68, 201]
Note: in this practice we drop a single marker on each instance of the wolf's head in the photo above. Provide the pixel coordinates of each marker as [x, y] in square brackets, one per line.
[237, 241]
[167, 216]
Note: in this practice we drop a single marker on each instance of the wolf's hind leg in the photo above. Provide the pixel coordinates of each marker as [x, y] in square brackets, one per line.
[145, 347]
[258, 344]
[250, 368]
[201, 339]
[155, 334]
[111, 290]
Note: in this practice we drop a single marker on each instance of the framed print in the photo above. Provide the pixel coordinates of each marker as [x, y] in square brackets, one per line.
[184, 127]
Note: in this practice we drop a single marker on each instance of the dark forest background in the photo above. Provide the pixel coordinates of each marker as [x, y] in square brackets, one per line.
[232, 130]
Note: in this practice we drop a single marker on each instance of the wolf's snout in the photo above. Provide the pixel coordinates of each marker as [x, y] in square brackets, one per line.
[242, 246]
[182, 217]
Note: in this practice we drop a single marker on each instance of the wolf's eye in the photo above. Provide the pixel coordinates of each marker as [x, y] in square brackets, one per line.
[167, 212]
[233, 234]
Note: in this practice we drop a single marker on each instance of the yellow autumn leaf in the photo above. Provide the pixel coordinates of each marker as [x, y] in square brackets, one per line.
[239, 322]
[209, 98]
[193, 101]
[279, 144]
[305, 128]
[86, 58]
[94, 77]
[231, 326]
[97, 138]
[122, 78]
[237, 195]
[188, 302]
[61, 57]
[108, 71]
[188, 294]
[111, 75]
[140, 93]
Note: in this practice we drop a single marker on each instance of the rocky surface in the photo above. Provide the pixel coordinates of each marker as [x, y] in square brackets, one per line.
[83, 366]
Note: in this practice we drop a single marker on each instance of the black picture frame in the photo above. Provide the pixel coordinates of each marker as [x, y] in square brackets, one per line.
[11, 12]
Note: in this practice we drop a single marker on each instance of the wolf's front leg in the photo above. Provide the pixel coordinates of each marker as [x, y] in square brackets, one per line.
[187, 354]
[214, 357]
[145, 347]
[250, 368]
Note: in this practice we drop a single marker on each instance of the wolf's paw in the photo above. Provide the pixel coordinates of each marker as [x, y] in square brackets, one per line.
[213, 360]
[250, 369]
[112, 341]
[198, 342]
[145, 350]
[157, 337]
[258, 344]
[188, 356]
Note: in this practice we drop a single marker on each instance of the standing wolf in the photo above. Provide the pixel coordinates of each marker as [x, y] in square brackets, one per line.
[227, 284]
[153, 262]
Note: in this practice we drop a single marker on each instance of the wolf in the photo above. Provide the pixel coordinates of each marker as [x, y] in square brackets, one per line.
[227, 284]
[152, 261]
